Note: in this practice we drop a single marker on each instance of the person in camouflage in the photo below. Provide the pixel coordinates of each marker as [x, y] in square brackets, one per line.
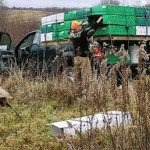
[79, 39]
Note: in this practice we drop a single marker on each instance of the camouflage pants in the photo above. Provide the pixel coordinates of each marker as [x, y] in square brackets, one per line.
[82, 71]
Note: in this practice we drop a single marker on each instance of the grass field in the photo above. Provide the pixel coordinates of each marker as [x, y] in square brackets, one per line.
[25, 15]
[45, 100]
[42, 99]
[20, 22]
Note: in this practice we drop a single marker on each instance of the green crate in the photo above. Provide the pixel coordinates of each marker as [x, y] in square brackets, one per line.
[71, 15]
[129, 11]
[130, 20]
[58, 26]
[142, 21]
[54, 36]
[113, 10]
[112, 59]
[63, 35]
[43, 29]
[81, 14]
[65, 25]
[62, 26]
[118, 20]
[46, 28]
[77, 14]
[115, 59]
[105, 9]
[139, 11]
[115, 30]
[60, 35]
[108, 9]
[142, 11]
[114, 19]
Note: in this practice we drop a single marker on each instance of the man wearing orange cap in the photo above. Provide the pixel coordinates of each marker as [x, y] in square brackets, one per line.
[79, 39]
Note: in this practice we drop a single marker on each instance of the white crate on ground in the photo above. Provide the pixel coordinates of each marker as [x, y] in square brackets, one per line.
[86, 123]
[64, 127]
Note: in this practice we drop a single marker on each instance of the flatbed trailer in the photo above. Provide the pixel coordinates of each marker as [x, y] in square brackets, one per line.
[103, 39]
[30, 47]
[128, 41]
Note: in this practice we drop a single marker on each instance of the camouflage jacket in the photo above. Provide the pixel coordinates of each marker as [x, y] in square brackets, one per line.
[80, 40]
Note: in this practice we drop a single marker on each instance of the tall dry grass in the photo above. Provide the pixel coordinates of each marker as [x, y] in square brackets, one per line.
[41, 100]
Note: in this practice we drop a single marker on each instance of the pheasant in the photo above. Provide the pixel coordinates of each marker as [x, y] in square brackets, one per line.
[4, 95]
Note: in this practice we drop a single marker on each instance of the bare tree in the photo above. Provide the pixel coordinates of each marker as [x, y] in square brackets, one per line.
[112, 2]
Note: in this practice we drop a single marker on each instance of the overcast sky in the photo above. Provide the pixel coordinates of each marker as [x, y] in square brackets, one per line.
[63, 3]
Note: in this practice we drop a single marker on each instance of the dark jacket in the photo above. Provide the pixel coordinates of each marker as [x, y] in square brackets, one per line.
[80, 40]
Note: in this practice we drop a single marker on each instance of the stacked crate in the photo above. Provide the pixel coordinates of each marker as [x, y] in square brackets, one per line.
[117, 20]
[58, 27]
[142, 21]
[47, 33]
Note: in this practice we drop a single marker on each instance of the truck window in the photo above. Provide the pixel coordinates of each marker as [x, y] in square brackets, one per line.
[37, 38]
[5, 41]
[27, 42]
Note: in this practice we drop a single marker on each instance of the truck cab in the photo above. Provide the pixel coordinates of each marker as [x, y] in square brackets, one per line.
[6, 52]
[41, 56]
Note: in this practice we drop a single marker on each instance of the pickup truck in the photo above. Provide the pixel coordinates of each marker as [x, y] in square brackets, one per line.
[42, 56]
[29, 49]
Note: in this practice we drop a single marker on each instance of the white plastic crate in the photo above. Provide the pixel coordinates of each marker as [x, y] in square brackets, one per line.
[51, 19]
[43, 37]
[142, 30]
[64, 128]
[44, 20]
[83, 124]
[46, 37]
[60, 17]
[56, 18]
[148, 29]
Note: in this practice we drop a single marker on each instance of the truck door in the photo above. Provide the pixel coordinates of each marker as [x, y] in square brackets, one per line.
[29, 48]
[5, 41]
[23, 48]
[6, 53]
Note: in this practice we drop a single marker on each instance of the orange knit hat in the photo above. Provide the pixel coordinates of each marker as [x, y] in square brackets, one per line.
[75, 24]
